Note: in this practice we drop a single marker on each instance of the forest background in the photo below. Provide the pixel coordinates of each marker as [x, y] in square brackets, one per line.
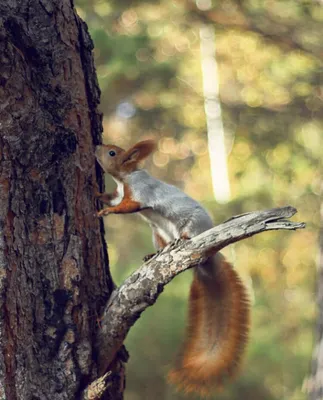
[269, 59]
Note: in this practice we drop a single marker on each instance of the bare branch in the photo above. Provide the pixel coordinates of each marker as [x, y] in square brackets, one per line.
[141, 289]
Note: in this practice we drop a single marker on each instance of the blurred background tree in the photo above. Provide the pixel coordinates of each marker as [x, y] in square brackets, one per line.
[269, 59]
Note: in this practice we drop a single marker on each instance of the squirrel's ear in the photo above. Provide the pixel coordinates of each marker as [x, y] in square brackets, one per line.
[138, 152]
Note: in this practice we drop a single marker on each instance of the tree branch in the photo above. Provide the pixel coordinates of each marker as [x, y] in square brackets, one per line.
[141, 289]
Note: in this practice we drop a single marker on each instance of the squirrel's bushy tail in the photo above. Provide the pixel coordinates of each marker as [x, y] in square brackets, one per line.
[218, 329]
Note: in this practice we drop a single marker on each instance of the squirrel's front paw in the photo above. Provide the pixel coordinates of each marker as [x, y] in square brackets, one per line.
[103, 212]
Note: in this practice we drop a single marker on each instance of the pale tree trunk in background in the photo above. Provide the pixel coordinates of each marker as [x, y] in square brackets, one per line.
[215, 131]
[54, 277]
[315, 382]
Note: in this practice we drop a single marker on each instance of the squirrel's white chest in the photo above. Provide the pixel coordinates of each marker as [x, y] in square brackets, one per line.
[119, 193]
[163, 226]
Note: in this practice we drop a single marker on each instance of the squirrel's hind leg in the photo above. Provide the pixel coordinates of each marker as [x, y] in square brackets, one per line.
[159, 244]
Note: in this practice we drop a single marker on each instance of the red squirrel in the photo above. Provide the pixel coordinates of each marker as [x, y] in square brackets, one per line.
[218, 325]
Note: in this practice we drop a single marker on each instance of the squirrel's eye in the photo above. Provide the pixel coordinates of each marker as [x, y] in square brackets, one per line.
[112, 153]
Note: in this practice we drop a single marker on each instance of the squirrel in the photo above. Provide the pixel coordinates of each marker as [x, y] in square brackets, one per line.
[218, 320]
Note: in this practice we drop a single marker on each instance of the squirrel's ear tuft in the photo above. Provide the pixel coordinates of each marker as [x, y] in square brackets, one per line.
[138, 152]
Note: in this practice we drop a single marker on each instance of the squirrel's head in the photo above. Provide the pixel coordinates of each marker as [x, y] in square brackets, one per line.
[119, 162]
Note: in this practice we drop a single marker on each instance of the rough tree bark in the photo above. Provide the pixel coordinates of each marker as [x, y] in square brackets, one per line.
[54, 276]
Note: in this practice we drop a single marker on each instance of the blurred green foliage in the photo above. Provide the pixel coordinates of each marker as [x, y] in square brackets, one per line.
[269, 56]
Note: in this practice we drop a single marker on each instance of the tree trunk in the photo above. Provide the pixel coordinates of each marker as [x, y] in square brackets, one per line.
[54, 277]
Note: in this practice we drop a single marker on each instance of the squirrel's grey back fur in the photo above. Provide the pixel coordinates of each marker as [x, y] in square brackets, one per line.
[171, 212]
